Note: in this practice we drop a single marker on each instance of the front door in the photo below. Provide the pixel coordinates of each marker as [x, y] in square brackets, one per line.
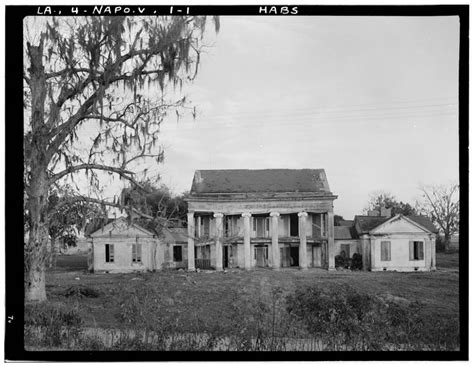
[226, 257]
[316, 256]
[294, 225]
[261, 254]
[294, 257]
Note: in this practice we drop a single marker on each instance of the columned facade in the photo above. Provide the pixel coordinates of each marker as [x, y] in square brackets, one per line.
[269, 218]
[191, 233]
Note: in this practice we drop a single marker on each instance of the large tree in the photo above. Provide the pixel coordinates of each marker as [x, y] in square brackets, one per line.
[441, 204]
[158, 202]
[382, 199]
[96, 90]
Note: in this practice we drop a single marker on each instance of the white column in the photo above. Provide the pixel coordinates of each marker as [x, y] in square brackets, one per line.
[246, 216]
[365, 251]
[275, 248]
[191, 241]
[302, 231]
[372, 252]
[433, 253]
[219, 232]
[331, 245]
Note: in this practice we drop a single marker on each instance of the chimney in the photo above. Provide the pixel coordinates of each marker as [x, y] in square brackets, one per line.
[387, 212]
[373, 213]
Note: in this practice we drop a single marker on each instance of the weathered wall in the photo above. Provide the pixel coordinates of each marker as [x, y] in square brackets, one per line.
[123, 254]
[168, 260]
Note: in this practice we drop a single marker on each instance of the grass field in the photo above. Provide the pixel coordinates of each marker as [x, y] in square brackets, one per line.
[204, 301]
[183, 294]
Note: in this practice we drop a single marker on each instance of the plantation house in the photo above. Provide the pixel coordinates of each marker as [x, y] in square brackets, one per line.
[266, 218]
[260, 218]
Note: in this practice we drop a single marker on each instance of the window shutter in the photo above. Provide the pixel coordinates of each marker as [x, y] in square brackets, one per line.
[134, 252]
[139, 252]
[412, 250]
[389, 251]
[420, 250]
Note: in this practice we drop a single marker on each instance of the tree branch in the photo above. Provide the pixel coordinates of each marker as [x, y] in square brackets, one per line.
[120, 171]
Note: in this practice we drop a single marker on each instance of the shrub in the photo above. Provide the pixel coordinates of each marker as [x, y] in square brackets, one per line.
[347, 319]
[356, 263]
[339, 261]
[52, 323]
[81, 291]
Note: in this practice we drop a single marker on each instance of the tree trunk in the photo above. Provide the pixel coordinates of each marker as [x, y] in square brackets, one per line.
[35, 285]
[447, 242]
[36, 249]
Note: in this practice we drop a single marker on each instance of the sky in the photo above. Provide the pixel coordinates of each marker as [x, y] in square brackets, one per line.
[372, 100]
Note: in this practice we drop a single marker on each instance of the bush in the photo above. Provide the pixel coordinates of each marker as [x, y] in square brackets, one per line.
[342, 262]
[339, 261]
[356, 263]
[81, 291]
[344, 318]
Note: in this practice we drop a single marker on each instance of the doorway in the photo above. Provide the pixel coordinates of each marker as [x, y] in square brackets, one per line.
[226, 255]
[294, 229]
[316, 256]
[294, 257]
[261, 255]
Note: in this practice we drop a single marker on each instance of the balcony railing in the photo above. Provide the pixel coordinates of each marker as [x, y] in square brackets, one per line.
[203, 263]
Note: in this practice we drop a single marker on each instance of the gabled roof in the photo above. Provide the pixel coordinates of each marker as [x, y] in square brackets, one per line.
[121, 228]
[345, 233]
[424, 221]
[364, 224]
[175, 235]
[407, 219]
[260, 181]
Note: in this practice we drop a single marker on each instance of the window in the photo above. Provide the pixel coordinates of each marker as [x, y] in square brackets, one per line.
[230, 226]
[178, 253]
[136, 253]
[416, 251]
[109, 253]
[324, 225]
[261, 226]
[385, 251]
[294, 225]
[205, 222]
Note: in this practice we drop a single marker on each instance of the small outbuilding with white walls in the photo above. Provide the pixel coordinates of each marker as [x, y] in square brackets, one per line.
[401, 243]
[121, 246]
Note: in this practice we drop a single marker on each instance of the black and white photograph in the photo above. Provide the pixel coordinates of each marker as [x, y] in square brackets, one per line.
[275, 182]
